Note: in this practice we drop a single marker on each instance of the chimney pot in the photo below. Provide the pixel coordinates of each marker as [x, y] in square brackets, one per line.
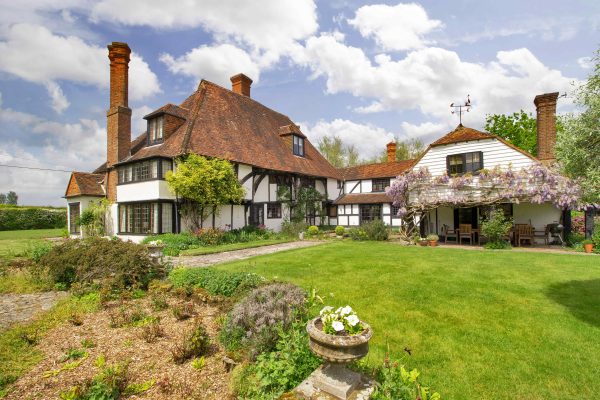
[545, 105]
[240, 84]
[391, 151]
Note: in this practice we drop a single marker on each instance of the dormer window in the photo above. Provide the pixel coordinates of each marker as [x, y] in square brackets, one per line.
[155, 130]
[298, 146]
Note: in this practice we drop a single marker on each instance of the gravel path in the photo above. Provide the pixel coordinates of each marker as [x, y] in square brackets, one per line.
[15, 308]
[218, 258]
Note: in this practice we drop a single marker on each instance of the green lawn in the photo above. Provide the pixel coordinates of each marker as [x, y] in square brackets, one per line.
[232, 246]
[16, 243]
[480, 324]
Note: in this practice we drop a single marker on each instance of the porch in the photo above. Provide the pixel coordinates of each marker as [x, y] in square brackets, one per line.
[533, 224]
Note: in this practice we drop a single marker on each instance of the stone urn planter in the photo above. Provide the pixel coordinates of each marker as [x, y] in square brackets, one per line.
[155, 250]
[337, 351]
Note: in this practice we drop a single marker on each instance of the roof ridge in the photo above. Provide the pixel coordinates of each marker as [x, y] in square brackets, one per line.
[246, 98]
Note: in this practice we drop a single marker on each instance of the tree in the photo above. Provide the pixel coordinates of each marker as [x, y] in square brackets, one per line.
[578, 144]
[204, 184]
[301, 201]
[337, 153]
[408, 149]
[2, 198]
[11, 198]
[518, 128]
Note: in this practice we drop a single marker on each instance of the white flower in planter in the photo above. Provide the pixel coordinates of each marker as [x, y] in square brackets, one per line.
[345, 311]
[337, 326]
[352, 320]
[326, 310]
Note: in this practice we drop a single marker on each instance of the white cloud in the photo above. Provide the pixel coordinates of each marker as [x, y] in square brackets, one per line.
[35, 54]
[271, 28]
[399, 27]
[59, 100]
[425, 131]
[49, 144]
[369, 140]
[138, 123]
[431, 78]
[585, 62]
[215, 63]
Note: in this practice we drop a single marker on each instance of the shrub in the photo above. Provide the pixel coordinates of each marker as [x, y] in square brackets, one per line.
[313, 230]
[357, 234]
[152, 331]
[340, 230]
[279, 371]
[159, 301]
[193, 344]
[596, 240]
[123, 264]
[175, 242]
[496, 228]
[109, 384]
[574, 239]
[376, 230]
[293, 229]
[215, 282]
[183, 311]
[397, 383]
[38, 249]
[17, 218]
[253, 323]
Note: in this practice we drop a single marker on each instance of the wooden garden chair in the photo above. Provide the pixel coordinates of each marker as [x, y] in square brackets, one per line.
[449, 233]
[525, 232]
[465, 231]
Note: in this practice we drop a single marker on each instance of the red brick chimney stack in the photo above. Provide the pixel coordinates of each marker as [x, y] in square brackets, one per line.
[240, 84]
[546, 125]
[118, 126]
[391, 151]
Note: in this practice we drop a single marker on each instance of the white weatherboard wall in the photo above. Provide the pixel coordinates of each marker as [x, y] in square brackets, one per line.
[494, 153]
[141, 191]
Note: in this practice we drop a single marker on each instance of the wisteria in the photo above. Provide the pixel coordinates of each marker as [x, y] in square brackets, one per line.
[418, 191]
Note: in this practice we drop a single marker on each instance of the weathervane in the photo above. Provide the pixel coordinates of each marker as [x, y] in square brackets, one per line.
[460, 109]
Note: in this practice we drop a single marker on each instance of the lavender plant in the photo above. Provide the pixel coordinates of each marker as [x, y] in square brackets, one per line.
[252, 324]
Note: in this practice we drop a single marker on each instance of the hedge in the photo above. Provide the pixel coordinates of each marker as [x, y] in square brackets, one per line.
[14, 218]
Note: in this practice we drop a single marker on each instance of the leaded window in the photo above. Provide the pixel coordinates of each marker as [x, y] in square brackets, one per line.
[379, 185]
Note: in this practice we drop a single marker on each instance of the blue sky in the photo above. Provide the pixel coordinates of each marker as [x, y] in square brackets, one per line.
[365, 71]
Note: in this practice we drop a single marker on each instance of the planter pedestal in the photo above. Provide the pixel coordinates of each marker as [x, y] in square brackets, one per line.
[333, 380]
[326, 383]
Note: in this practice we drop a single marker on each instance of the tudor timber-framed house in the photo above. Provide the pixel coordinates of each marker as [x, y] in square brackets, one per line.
[265, 147]
[268, 150]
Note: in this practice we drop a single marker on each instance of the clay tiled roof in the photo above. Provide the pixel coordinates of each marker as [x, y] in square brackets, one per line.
[224, 124]
[363, 198]
[380, 170]
[85, 184]
[169, 109]
[462, 134]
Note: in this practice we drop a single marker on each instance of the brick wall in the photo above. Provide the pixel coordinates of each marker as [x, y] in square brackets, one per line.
[170, 124]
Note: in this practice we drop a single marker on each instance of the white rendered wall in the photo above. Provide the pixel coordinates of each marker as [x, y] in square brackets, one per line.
[84, 202]
[244, 170]
[141, 191]
[366, 186]
[332, 189]
[494, 153]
